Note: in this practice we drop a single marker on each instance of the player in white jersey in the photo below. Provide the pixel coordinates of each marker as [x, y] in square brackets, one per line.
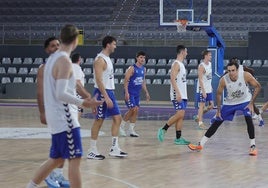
[178, 96]
[204, 88]
[62, 119]
[104, 88]
[80, 79]
[238, 97]
[55, 178]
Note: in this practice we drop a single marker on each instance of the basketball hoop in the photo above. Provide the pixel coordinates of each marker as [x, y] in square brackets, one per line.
[181, 25]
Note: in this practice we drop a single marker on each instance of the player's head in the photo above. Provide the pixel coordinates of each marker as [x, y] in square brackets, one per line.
[51, 45]
[140, 57]
[76, 58]
[182, 51]
[206, 55]
[232, 68]
[69, 35]
[109, 44]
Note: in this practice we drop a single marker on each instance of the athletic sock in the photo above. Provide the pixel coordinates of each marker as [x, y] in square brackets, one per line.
[123, 124]
[203, 140]
[58, 171]
[200, 122]
[115, 142]
[252, 142]
[166, 127]
[93, 146]
[178, 134]
[31, 184]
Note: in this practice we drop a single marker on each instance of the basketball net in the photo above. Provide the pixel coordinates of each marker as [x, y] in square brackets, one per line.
[181, 25]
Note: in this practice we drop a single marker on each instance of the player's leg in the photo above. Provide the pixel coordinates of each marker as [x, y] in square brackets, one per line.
[44, 171]
[133, 118]
[116, 116]
[127, 115]
[173, 119]
[99, 118]
[179, 140]
[74, 172]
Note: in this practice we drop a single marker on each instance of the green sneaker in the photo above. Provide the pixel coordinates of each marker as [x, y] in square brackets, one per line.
[161, 134]
[181, 141]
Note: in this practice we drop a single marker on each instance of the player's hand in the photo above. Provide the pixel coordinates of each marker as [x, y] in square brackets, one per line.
[148, 97]
[109, 103]
[250, 107]
[43, 118]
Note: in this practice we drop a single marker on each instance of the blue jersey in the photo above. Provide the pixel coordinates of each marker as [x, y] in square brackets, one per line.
[136, 80]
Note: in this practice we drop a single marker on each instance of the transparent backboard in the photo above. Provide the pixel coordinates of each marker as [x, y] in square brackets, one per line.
[197, 12]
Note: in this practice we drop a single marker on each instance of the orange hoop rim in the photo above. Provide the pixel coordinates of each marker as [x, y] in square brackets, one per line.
[182, 21]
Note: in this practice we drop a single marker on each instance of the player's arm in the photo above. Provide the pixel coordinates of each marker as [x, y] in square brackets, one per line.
[128, 74]
[40, 94]
[173, 74]
[219, 94]
[81, 90]
[144, 87]
[99, 67]
[253, 82]
[201, 71]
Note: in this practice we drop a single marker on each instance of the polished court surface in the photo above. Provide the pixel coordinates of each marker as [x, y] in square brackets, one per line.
[224, 162]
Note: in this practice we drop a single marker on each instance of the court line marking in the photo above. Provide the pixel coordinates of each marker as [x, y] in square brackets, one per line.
[115, 179]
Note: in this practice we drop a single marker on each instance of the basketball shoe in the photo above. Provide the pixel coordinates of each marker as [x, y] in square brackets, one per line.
[117, 152]
[194, 147]
[122, 132]
[51, 180]
[181, 141]
[92, 155]
[253, 150]
[161, 134]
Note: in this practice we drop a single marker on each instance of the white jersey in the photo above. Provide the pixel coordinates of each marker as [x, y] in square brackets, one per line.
[59, 115]
[181, 82]
[78, 73]
[108, 74]
[207, 78]
[237, 91]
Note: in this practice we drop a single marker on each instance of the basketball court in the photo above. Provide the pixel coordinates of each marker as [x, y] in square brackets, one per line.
[223, 163]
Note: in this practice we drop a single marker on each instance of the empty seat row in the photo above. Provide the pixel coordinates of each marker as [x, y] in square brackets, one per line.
[19, 60]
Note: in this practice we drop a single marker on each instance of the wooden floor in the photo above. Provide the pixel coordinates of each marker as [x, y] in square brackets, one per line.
[223, 163]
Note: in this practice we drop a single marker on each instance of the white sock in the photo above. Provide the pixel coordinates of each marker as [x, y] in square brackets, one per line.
[260, 110]
[131, 126]
[200, 122]
[93, 146]
[123, 124]
[203, 140]
[115, 142]
[58, 171]
[31, 184]
[252, 142]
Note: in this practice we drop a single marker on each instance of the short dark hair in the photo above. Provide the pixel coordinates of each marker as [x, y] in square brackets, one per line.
[68, 34]
[75, 57]
[107, 40]
[204, 53]
[140, 53]
[180, 48]
[46, 43]
[233, 61]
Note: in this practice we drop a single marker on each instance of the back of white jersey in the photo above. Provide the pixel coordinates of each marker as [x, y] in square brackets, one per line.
[78, 73]
[108, 73]
[237, 91]
[180, 81]
[59, 115]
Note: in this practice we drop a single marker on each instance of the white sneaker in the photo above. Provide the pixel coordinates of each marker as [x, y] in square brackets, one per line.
[122, 132]
[92, 155]
[116, 152]
[51, 180]
[132, 133]
[255, 116]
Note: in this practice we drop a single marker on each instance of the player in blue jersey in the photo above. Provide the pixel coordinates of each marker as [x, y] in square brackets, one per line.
[133, 83]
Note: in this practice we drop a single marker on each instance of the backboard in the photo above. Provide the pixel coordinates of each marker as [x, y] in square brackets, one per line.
[197, 12]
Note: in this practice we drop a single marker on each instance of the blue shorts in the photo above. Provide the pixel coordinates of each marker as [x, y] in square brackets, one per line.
[200, 98]
[134, 100]
[228, 111]
[66, 145]
[179, 105]
[102, 110]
